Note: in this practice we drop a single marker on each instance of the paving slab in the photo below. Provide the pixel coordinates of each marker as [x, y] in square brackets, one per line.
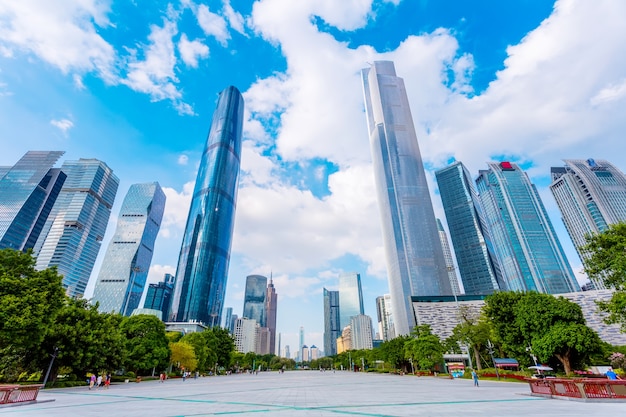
[307, 394]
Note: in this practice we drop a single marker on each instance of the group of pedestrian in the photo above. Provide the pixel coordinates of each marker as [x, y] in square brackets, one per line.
[99, 381]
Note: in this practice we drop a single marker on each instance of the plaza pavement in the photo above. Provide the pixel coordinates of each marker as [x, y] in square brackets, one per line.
[306, 394]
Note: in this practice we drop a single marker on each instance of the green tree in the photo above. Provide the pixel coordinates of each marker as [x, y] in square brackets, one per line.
[499, 310]
[605, 261]
[221, 343]
[472, 331]
[393, 352]
[182, 356]
[87, 340]
[571, 343]
[146, 345]
[424, 348]
[29, 303]
[204, 354]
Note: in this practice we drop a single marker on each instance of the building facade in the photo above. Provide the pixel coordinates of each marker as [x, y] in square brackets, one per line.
[332, 327]
[72, 235]
[385, 317]
[271, 306]
[527, 249]
[122, 278]
[591, 195]
[415, 262]
[361, 327]
[159, 295]
[447, 255]
[201, 275]
[468, 231]
[350, 297]
[245, 335]
[28, 191]
[254, 304]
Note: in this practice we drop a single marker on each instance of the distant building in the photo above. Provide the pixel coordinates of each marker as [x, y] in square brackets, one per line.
[159, 295]
[305, 354]
[332, 328]
[350, 297]
[468, 230]
[245, 335]
[28, 191]
[262, 346]
[301, 342]
[287, 352]
[344, 342]
[254, 305]
[315, 353]
[447, 256]
[228, 316]
[591, 195]
[73, 233]
[233, 319]
[526, 246]
[361, 332]
[124, 271]
[271, 306]
[385, 318]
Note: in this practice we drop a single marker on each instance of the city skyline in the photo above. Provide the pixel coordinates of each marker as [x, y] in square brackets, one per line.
[135, 85]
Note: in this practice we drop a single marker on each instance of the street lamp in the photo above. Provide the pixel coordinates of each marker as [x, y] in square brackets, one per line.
[412, 369]
[54, 355]
[529, 349]
[490, 349]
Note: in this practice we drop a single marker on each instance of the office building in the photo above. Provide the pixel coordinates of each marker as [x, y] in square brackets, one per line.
[344, 342]
[28, 191]
[228, 317]
[447, 255]
[202, 270]
[287, 352]
[385, 318]
[415, 262]
[332, 328]
[361, 332]
[301, 341]
[350, 298]
[591, 194]
[262, 346]
[254, 305]
[466, 224]
[233, 319]
[271, 305]
[73, 233]
[122, 278]
[314, 353]
[528, 251]
[159, 295]
[245, 335]
[305, 354]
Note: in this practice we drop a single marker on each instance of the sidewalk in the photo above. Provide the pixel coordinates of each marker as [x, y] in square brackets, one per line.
[308, 393]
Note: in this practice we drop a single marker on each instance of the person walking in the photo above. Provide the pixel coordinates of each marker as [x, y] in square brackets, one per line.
[475, 377]
[107, 381]
[92, 381]
[99, 381]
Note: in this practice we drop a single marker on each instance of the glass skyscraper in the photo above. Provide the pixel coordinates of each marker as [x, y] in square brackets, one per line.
[159, 295]
[591, 194]
[271, 306]
[474, 253]
[72, 235]
[447, 255]
[254, 301]
[527, 248]
[385, 318]
[202, 269]
[332, 330]
[28, 191]
[350, 298]
[415, 262]
[125, 267]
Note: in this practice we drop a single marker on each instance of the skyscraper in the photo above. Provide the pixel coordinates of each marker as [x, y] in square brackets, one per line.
[415, 262]
[332, 329]
[447, 255]
[245, 335]
[125, 267]
[159, 295]
[385, 318]
[350, 298]
[28, 191]
[205, 252]
[591, 194]
[228, 317]
[466, 223]
[72, 235]
[528, 251]
[361, 326]
[271, 305]
[254, 304]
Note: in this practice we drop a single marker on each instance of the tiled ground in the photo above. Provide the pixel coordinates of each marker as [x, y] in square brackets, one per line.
[309, 393]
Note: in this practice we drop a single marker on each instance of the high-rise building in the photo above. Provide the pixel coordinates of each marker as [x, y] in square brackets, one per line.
[415, 262]
[287, 353]
[233, 319]
[385, 318]
[245, 335]
[271, 305]
[28, 191]
[125, 267]
[447, 255]
[205, 252]
[262, 341]
[159, 295]
[72, 235]
[466, 223]
[228, 317]
[314, 353]
[361, 336]
[350, 297]
[527, 249]
[305, 354]
[591, 194]
[332, 328]
[254, 304]
[301, 341]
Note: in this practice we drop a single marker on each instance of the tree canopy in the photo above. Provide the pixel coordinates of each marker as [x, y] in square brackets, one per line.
[146, 345]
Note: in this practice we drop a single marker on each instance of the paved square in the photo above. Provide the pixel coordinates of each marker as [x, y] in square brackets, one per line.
[309, 393]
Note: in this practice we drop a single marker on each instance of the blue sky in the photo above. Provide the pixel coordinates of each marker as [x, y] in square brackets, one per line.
[134, 84]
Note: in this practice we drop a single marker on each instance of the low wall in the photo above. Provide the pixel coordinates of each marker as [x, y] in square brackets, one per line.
[588, 389]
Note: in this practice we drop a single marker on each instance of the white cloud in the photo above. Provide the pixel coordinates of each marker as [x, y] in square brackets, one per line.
[212, 24]
[176, 211]
[235, 19]
[62, 124]
[610, 93]
[183, 159]
[190, 51]
[63, 33]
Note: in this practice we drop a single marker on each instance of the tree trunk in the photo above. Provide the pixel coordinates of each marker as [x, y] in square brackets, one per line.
[477, 363]
[565, 360]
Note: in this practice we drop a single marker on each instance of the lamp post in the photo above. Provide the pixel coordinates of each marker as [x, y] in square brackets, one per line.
[490, 349]
[529, 349]
[135, 270]
[412, 369]
[54, 355]
[362, 365]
